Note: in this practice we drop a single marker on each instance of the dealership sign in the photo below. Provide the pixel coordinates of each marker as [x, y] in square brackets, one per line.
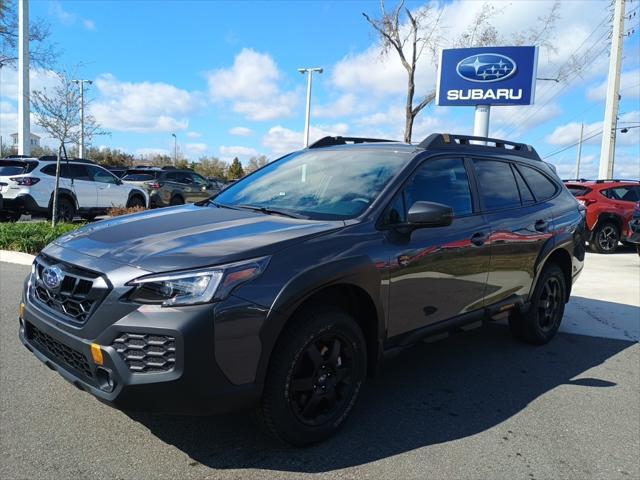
[487, 76]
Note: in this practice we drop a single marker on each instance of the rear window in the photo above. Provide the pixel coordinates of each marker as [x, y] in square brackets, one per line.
[151, 174]
[138, 177]
[577, 190]
[8, 168]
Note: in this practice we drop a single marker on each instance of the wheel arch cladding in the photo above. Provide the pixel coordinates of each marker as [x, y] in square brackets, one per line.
[562, 258]
[65, 193]
[352, 284]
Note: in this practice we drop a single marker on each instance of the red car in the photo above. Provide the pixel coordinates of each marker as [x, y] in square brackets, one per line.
[610, 205]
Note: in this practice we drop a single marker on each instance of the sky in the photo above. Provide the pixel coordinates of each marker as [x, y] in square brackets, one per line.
[223, 76]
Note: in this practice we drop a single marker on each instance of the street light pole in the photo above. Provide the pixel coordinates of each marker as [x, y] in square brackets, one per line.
[81, 143]
[309, 72]
[24, 124]
[175, 148]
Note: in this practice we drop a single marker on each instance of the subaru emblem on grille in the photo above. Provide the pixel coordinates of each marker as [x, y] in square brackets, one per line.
[52, 277]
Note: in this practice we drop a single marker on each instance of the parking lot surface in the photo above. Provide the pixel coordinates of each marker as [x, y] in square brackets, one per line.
[476, 405]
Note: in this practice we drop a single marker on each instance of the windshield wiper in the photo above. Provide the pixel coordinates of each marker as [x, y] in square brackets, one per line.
[270, 211]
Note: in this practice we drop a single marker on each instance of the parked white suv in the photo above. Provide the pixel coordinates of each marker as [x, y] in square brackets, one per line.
[86, 189]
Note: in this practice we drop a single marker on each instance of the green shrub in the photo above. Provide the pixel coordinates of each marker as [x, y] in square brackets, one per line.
[31, 237]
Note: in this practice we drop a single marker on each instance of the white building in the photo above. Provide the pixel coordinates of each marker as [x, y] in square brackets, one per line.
[35, 140]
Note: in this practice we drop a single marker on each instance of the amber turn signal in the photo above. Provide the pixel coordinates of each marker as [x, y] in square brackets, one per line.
[96, 353]
[21, 310]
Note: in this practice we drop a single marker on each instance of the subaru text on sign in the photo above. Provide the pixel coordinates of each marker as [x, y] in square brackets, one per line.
[487, 76]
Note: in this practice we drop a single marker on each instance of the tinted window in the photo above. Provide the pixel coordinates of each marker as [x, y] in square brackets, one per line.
[138, 177]
[578, 191]
[543, 188]
[198, 180]
[497, 184]
[525, 193]
[79, 172]
[7, 170]
[442, 181]
[101, 175]
[151, 173]
[51, 170]
[626, 194]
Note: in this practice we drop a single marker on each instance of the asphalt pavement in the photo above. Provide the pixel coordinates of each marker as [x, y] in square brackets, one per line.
[474, 406]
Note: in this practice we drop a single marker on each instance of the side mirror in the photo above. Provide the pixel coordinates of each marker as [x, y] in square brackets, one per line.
[429, 214]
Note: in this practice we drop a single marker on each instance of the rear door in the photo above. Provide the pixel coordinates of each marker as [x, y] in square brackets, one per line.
[83, 186]
[440, 272]
[520, 220]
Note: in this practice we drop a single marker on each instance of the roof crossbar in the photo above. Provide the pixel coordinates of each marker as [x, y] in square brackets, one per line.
[331, 141]
[443, 140]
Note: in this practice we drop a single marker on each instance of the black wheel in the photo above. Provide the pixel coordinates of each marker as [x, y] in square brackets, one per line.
[135, 201]
[318, 367]
[66, 211]
[541, 322]
[605, 238]
[177, 200]
[10, 216]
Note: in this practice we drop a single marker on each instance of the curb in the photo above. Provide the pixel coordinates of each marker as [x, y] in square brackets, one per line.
[19, 258]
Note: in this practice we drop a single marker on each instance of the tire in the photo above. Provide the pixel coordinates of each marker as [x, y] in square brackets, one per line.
[605, 238]
[309, 389]
[177, 200]
[66, 211]
[136, 201]
[541, 321]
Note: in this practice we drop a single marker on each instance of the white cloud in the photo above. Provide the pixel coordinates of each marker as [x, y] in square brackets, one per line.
[67, 18]
[196, 148]
[38, 80]
[194, 134]
[253, 86]
[569, 133]
[344, 106]
[629, 87]
[143, 107]
[228, 153]
[282, 140]
[89, 24]
[241, 131]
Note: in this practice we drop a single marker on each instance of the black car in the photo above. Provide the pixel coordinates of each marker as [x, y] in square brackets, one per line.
[285, 291]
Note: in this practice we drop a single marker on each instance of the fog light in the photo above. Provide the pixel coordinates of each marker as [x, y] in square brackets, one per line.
[21, 310]
[96, 353]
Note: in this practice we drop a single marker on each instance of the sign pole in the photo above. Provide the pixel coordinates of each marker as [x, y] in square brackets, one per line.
[481, 121]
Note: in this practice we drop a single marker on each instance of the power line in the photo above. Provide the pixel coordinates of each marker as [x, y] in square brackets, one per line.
[583, 140]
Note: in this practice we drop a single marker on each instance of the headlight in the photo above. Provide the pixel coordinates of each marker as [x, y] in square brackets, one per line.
[195, 286]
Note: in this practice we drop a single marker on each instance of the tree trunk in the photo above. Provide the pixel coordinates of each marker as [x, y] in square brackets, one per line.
[409, 116]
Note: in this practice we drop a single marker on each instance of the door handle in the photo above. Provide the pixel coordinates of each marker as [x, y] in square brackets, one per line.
[541, 225]
[479, 238]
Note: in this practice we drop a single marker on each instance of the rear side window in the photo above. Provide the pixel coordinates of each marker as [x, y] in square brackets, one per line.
[525, 192]
[543, 188]
[51, 170]
[626, 193]
[497, 184]
[79, 172]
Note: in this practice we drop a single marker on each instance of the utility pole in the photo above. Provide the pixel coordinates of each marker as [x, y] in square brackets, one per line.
[613, 86]
[24, 125]
[175, 148]
[309, 72]
[579, 151]
[81, 144]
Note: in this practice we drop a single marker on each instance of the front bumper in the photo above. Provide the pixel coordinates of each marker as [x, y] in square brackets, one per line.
[194, 385]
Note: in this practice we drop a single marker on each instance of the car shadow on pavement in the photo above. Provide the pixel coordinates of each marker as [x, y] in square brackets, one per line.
[430, 394]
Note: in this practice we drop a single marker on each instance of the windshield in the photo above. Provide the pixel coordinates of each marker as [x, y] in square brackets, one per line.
[319, 184]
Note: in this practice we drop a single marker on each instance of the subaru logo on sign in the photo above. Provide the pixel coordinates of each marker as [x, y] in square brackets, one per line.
[486, 67]
[52, 277]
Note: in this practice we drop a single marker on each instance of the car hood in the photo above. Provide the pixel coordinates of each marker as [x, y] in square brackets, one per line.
[190, 236]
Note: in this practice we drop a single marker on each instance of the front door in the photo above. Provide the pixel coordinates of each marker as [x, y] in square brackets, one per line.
[110, 193]
[440, 272]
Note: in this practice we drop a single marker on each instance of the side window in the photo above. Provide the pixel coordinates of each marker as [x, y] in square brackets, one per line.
[198, 180]
[497, 184]
[626, 194]
[541, 186]
[171, 177]
[49, 169]
[525, 193]
[101, 175]
[79, 172]
[443, 181]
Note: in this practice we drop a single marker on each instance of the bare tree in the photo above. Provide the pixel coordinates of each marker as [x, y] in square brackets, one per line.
[409, 41]
[57, 111]
[42, 54]
[255, 163]
[410, 34]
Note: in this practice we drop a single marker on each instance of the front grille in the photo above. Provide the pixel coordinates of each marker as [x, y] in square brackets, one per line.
[59, 351]
[78, 294]
[146, 352]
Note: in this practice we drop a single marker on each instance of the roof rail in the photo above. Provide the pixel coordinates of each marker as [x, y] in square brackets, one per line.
[331, 141]
[440, 140]
[602, 180]
[576, 180]
[8, 157]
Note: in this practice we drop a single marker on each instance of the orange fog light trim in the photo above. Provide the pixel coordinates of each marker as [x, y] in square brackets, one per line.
[96, 353]
[21, 310]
